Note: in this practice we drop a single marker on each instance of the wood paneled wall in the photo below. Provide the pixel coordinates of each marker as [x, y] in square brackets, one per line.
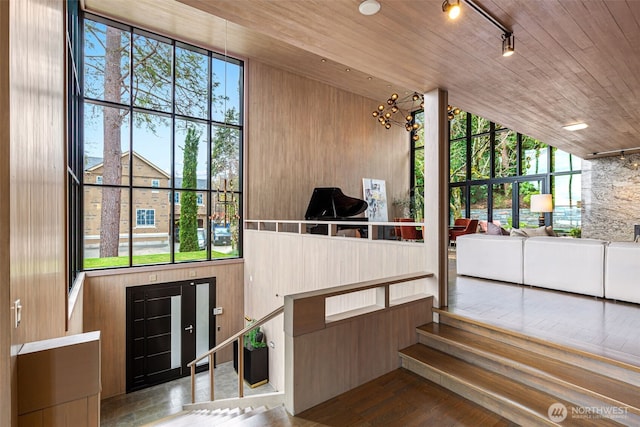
[303, 134]
[278, 264]
[332, 360]
[6, 399]
[32, 181]
[37, 200]
[105, 303]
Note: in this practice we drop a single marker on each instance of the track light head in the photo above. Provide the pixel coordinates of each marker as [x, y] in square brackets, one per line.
[508, 44]
[452, 9]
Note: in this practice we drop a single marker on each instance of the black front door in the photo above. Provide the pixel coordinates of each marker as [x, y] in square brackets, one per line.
[167, 326]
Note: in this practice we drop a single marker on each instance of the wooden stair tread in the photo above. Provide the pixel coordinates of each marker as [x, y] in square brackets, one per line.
[620, 391]
[276, 416]
[625, 360]
[505, 388]
[240, 419]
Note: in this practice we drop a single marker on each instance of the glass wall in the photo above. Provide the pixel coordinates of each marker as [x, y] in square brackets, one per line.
[494, 171]
[161, 169]
[417, 168]
[74, 135]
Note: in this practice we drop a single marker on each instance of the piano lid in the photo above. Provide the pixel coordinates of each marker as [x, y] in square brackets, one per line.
[329, 203]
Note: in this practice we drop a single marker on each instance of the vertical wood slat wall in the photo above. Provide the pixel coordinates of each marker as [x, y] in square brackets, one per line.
[5, 266]
[303, 134]
[32, 177]
[279, 264]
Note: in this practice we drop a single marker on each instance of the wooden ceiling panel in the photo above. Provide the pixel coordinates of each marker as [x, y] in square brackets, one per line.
[575, 60]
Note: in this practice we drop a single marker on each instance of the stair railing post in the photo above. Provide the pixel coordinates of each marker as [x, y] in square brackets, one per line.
[240, 366]
[211, 378]
[193, 383]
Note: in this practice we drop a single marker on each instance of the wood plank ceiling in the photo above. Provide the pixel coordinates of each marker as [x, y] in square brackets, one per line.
[574, 61]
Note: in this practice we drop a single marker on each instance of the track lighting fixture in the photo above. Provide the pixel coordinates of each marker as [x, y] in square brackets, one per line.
[508, 43]
[451, 8]
[622, 155]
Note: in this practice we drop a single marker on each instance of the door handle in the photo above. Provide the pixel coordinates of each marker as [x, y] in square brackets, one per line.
[189, 328]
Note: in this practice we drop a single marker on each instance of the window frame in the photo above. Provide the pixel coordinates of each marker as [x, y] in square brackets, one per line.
[492, 129]
[235, 126]
[146, 212]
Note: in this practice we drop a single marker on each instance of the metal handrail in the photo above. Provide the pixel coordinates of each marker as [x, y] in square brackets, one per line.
[237, 336]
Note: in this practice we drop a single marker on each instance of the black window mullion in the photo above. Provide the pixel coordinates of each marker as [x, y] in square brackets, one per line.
[172, 138]
[208, 221]
[131, 125]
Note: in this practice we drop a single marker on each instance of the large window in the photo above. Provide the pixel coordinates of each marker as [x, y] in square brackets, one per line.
[163, 131]
[417, 168]
[74, 137]
[494, 171]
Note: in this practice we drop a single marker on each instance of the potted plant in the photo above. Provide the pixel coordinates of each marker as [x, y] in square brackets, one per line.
[256, 356]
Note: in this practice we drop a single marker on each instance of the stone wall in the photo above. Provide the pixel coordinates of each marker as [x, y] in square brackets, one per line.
[610, 197]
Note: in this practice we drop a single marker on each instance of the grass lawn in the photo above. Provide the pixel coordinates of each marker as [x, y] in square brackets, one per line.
[123, 261]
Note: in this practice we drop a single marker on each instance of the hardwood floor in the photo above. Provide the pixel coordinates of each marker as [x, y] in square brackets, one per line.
[399, 398]
[597, 325]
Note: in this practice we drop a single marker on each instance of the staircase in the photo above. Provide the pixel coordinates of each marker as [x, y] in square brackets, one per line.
[260, 416]
[526, 380]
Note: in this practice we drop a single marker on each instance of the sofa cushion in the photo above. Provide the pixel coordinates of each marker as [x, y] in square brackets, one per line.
[490, 257]
[517, 232]
[496, 230]
[534, 232]
[622, 270]
[573, 265]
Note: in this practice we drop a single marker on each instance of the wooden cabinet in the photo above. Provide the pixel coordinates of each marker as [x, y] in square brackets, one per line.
[59, 382]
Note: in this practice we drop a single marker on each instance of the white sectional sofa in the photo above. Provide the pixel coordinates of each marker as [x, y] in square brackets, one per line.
[490, 257]
[572, 265]
[622, 272]
[585, 266]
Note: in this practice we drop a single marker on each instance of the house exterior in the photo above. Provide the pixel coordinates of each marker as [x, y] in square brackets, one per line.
[151, 202]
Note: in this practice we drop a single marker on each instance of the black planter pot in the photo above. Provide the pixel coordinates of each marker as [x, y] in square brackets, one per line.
[256, 365]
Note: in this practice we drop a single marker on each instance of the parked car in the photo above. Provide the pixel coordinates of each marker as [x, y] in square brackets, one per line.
[221, 236]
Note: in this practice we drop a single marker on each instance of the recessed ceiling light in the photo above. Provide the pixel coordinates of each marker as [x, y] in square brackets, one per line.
[575, 126]
[369, 7]
[323, 60]
[347, 69]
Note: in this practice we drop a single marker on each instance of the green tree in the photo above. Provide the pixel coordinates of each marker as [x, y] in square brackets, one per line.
[188, 200]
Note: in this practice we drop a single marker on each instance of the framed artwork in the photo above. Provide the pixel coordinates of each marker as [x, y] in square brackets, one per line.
[375, 194]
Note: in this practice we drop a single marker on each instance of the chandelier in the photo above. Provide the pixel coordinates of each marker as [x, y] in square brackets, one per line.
[398, 111]
[452, 112]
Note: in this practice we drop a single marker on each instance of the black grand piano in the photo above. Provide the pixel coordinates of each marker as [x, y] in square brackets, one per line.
[330, 204]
